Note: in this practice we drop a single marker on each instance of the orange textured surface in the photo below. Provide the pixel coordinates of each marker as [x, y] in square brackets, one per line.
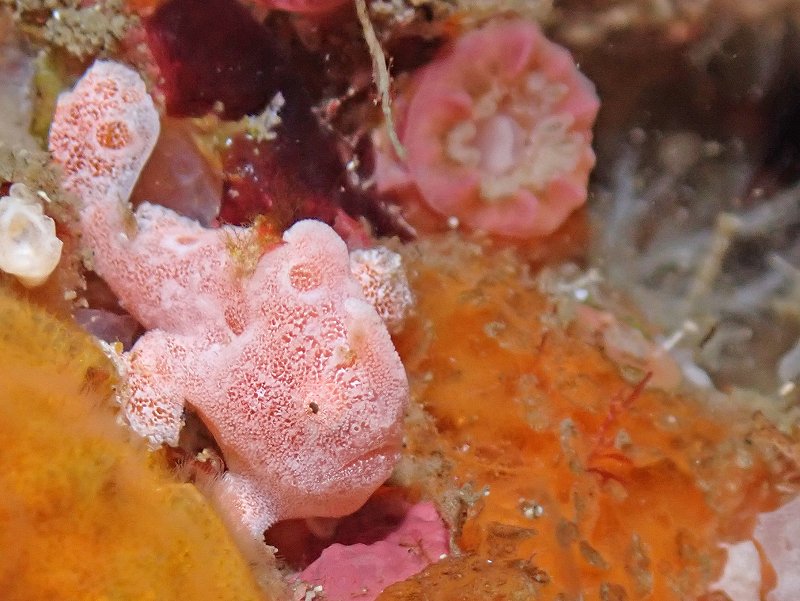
[601, 488]
[85, 512]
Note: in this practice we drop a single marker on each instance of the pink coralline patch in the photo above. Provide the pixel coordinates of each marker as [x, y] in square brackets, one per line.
[284, 360]
[362, 571]
[497, 132]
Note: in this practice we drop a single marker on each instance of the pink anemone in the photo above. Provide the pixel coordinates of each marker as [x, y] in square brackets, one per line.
[498, 132]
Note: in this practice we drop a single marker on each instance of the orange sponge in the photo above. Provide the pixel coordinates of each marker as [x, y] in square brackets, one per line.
[85, 512]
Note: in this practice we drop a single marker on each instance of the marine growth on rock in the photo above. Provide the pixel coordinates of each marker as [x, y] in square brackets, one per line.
[453, 413]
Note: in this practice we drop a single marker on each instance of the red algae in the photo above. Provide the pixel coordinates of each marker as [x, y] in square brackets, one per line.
[215, 57]
[269, 179]
[574, 479]
[212, 54]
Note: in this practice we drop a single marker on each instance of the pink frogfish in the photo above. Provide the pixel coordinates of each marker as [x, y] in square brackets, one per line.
[289, 366]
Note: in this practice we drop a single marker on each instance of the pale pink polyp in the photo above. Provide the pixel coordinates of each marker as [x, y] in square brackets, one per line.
[498, 131]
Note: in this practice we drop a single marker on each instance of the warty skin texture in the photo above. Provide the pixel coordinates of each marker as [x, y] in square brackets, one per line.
[290, 368]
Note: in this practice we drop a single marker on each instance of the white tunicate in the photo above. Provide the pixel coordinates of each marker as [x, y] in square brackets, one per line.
[29, 248]
[778, 533]
[741, 579]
